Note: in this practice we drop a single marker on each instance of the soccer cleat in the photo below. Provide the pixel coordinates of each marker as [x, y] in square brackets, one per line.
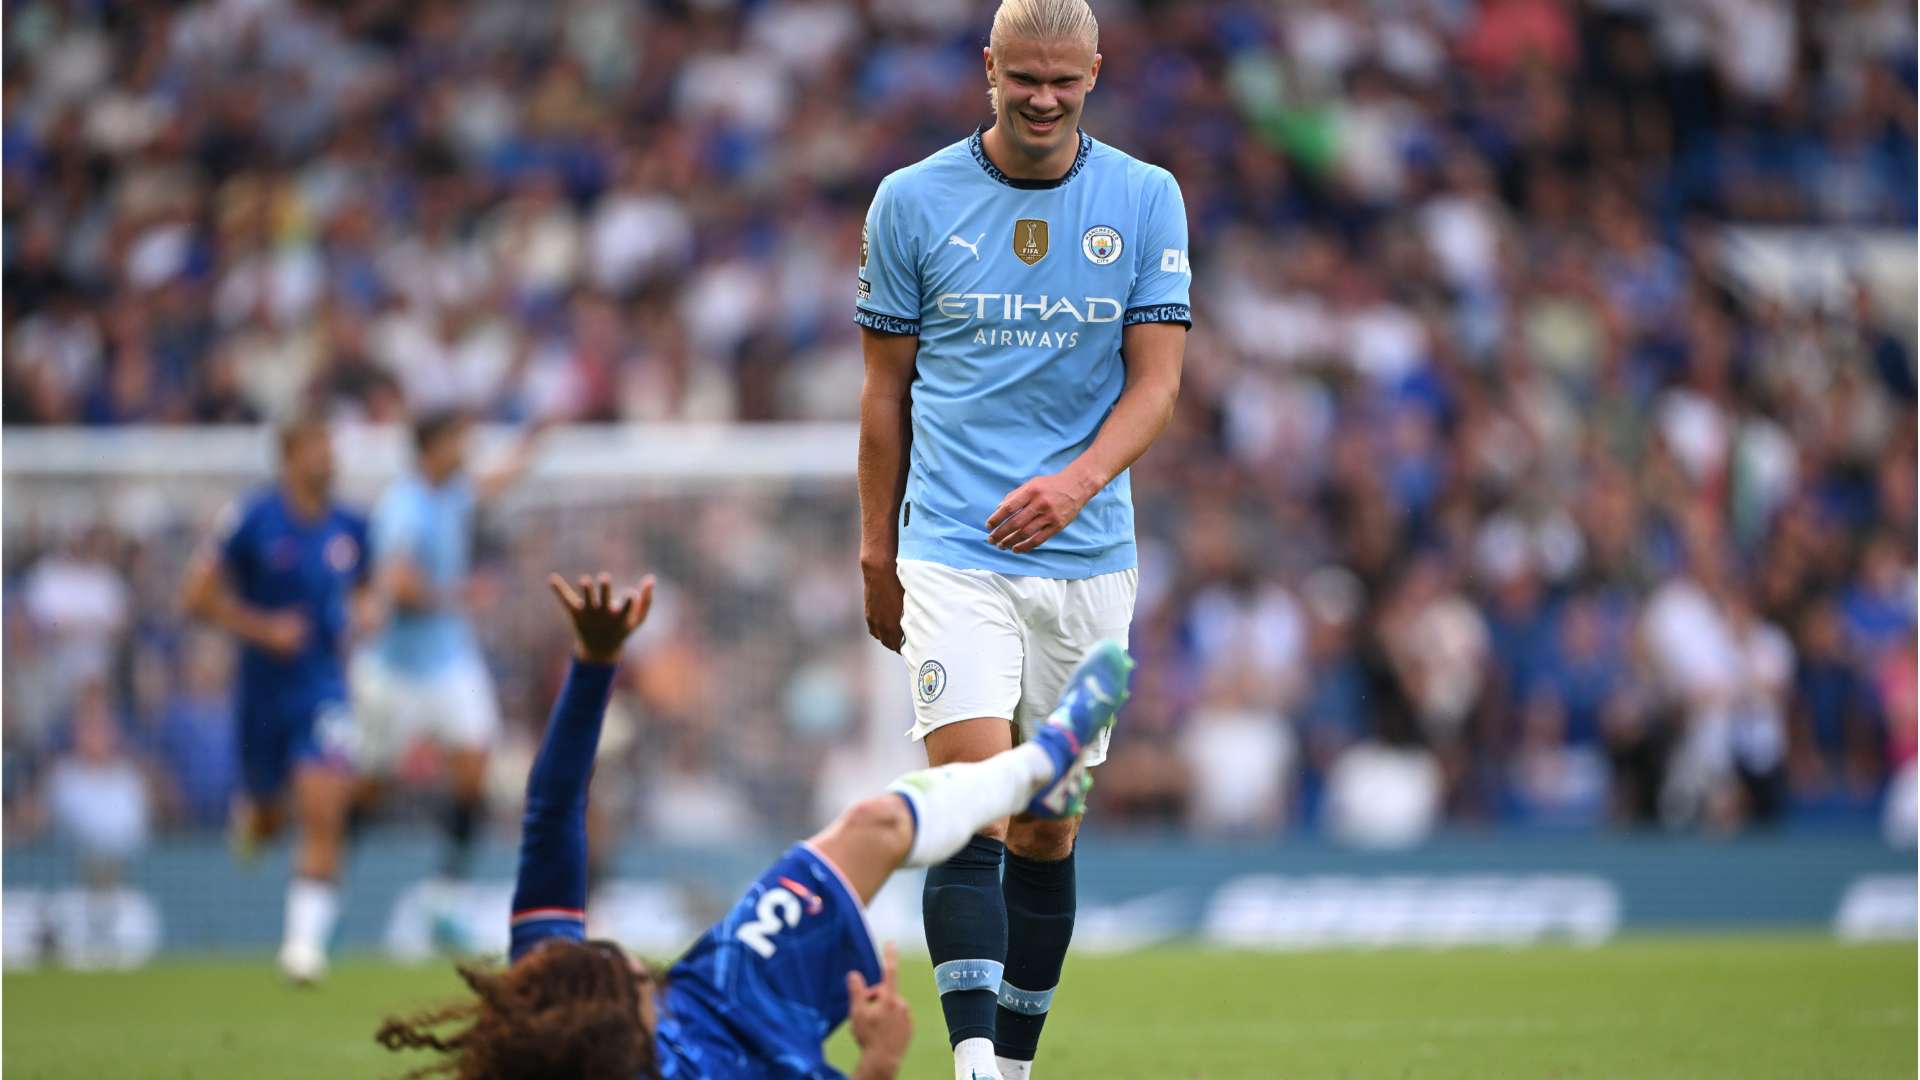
[301, 964]
[1092, 699]
[450, 934]
[1078, 790]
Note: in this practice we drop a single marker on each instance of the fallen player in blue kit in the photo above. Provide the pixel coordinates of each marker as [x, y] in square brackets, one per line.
[759, 993]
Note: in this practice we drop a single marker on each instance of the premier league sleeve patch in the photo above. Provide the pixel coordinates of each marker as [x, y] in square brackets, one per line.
[1101, 245]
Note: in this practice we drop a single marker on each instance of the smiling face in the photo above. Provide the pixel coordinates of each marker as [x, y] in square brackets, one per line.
[1039, 89]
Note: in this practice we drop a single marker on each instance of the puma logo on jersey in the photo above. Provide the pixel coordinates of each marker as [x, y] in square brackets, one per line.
[955, 241]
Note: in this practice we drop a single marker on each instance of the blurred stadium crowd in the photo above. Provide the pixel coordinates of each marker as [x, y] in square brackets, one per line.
[1489, 498]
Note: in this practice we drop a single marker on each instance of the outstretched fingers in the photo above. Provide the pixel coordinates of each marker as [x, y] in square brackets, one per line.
[602, 615]
[641, 602]
[564, 593]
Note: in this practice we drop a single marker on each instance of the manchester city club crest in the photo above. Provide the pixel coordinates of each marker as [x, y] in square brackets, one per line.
[1030, 240]
[933, 679]
[1101, 245]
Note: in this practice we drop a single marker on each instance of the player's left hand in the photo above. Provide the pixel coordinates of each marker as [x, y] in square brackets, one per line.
[1036, 511]
[601, 620]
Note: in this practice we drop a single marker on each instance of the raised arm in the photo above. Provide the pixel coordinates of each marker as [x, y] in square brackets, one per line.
[550, 890]
[512, 464]
[886, 433]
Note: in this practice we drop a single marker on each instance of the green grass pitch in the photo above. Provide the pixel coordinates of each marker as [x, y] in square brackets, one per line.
[1754, 1007]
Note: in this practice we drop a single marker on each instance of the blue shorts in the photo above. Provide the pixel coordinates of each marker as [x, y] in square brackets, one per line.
[281, 734]
[762, 989]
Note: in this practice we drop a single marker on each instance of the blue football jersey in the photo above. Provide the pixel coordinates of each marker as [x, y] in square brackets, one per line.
[758, 994]
[762, 989]
[433, 528]
[276, 561]
[1018, 291]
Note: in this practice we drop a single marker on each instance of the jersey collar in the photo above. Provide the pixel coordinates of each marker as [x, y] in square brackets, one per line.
[979, 152]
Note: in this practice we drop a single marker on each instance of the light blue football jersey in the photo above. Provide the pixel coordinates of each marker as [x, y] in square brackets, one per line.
[433, 528]
[1018, 290]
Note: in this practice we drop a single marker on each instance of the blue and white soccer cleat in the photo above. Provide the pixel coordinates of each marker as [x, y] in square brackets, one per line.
[1092, 699]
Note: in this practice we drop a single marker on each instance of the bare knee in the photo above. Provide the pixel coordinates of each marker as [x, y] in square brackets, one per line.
[1042, 839]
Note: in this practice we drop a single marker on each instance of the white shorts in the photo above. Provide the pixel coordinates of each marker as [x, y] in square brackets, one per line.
[453, 707]
[981, 643]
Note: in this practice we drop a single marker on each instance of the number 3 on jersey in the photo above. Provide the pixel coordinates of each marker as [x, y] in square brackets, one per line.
[777, 908]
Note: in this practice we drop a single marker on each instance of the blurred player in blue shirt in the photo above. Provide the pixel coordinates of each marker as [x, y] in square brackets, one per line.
[1023, 298]
[424, 677]
[284, 577]
[763, 988]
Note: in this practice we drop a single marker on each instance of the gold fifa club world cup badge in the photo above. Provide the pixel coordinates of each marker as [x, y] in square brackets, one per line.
[1030, 240]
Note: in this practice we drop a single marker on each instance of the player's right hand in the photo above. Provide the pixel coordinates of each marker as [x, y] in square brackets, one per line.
[282, 632]
[885, 600]
[881, 1021]
[602, 620]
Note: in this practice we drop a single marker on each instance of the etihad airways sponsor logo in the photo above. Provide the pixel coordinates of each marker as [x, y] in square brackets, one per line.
[1019, 307]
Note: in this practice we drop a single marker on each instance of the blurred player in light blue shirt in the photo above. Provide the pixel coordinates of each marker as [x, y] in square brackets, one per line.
[429, 527]
[425, 677]
[1023, 297]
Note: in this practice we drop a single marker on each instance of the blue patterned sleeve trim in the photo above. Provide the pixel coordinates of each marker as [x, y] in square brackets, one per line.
[886, 324]
[1179, 313]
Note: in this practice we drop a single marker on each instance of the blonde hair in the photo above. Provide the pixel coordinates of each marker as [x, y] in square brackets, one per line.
[1041, 20]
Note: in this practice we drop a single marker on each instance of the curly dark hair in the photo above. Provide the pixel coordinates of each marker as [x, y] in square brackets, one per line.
[567, 1011]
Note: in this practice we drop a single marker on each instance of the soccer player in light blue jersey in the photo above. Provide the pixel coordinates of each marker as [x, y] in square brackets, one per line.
[1023, 299]
[425, 678]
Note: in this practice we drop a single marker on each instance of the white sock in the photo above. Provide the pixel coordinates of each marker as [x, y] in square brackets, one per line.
[312, 907]
[953, 802]
[973, 1060]
[1011, 1069]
